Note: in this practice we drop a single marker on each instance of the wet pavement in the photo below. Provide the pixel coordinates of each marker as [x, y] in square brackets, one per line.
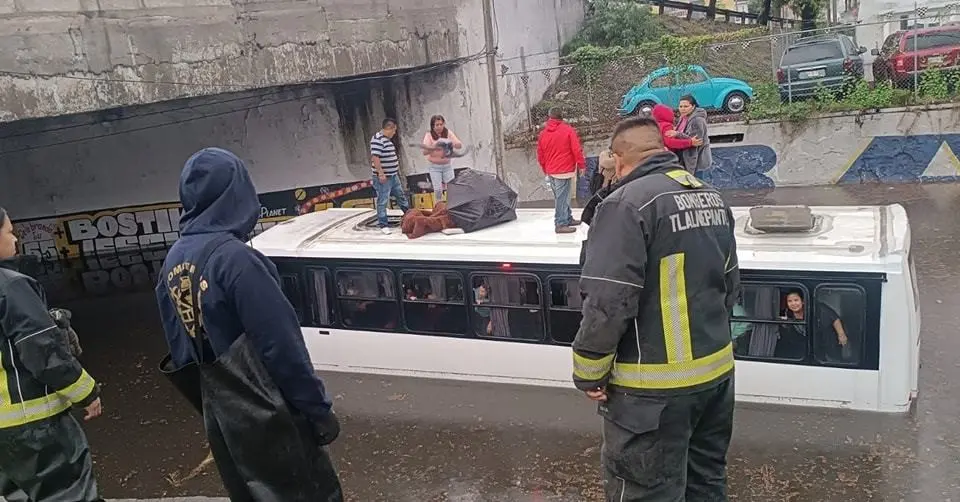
[424, 441]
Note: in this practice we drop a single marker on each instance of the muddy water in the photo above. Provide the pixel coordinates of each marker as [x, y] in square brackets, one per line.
[413, 440]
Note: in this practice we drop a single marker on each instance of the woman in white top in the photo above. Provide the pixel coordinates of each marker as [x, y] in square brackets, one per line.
[441, 167]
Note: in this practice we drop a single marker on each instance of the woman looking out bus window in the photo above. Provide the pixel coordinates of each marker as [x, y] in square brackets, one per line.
[829, 327]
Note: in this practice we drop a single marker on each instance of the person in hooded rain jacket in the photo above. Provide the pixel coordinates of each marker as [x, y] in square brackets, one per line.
[44, 454]
[693, 124]
[674, 140]
[241, 295]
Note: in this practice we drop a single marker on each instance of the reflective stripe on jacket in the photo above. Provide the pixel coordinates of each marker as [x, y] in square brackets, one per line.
[39, 377]
[660, 276]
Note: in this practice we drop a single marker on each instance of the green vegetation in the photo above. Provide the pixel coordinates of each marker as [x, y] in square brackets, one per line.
[936, 86]
[621, 42]
[616, 24]
[808, 10]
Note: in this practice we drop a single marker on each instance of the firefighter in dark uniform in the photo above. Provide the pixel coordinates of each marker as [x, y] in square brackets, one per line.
[659, 280]
[44, 455]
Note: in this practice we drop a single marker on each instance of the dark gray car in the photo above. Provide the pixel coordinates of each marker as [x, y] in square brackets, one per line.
[829, 61]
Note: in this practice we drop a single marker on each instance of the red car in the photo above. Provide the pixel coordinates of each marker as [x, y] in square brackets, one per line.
[907, 54]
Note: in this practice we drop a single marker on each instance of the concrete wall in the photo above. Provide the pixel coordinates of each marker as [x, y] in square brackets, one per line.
[291, 137]
[98, 54]
[299, 137]
[72, 56]
[531, 51]
[896, 146]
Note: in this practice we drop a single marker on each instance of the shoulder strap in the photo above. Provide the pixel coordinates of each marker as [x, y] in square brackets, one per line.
[196, 290]
[684, 178]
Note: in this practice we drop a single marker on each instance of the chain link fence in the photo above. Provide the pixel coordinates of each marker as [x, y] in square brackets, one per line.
[895, 60]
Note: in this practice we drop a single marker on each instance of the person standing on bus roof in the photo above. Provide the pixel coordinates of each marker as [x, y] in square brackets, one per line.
[660, 277]
[239, 295]
[441, 166]
[561, 157]
[44, 454]
[386, 172]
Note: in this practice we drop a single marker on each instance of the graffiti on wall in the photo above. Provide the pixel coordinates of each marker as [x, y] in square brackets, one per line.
[744, 166]
[124, 248]
[925, 158]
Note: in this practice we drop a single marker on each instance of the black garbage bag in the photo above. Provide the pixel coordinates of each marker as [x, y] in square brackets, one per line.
[477, 200]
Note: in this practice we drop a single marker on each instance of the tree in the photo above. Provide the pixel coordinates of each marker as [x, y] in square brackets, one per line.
[809, 11]
[712, 10]
[764, 9]
[612, 23]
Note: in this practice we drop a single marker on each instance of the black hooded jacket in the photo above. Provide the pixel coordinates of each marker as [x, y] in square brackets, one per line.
[244, 294]
[660, 276]
[39, 376]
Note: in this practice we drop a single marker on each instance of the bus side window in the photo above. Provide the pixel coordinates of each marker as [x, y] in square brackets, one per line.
[433, 302]
[290, 284]
[763, 325]
[840, 320]
[368, 299]
[507, 306]
[565, 306]
[319, 279]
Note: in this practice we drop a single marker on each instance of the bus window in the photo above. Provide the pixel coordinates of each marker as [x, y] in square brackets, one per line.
[769, 323]
[319, 279]
[433, 302]
[290, 285]
[838, 338]
[368, 299]
[507, 306]
[565, 303]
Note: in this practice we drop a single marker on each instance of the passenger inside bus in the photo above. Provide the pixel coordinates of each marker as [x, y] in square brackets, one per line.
[482, 324]
[793, 337]
[514, 305]
[433, 303]
[769, 340]
[367, 300]
[837, 342]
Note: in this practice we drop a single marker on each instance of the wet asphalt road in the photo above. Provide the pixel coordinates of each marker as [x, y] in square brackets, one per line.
[424, 441]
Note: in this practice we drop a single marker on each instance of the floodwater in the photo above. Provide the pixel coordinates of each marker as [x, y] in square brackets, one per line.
[423, 441]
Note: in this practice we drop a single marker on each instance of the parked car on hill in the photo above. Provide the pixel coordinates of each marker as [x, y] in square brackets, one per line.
[828, 61]
[905, 55]
[666, 85]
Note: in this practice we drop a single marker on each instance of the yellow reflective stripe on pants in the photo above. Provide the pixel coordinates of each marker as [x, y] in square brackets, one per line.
[79, 390]
[674, 375]
[15, 414]
[674, 310]
[591, 369]
[685, 178]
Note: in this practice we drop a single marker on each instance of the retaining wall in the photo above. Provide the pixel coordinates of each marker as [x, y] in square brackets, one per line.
[892, 146]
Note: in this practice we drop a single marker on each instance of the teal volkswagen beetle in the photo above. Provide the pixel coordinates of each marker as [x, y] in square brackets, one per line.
[666, 86]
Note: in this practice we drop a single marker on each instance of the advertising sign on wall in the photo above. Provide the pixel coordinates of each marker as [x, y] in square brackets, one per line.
[123, 248]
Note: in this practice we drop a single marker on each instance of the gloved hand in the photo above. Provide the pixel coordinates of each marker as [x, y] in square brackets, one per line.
[328, 428]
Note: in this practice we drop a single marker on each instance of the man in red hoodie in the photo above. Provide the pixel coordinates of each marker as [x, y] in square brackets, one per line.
[561, 156]
[673, 140]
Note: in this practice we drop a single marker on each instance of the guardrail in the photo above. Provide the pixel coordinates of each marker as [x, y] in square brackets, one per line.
[744, 17]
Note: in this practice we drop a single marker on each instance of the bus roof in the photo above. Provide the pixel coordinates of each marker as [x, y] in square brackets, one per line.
[847, 238]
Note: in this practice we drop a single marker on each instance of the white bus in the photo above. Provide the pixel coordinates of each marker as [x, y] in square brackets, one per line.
[503, 305]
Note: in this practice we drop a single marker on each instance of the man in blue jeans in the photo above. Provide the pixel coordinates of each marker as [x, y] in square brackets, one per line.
[386, 172]
[561, 157]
